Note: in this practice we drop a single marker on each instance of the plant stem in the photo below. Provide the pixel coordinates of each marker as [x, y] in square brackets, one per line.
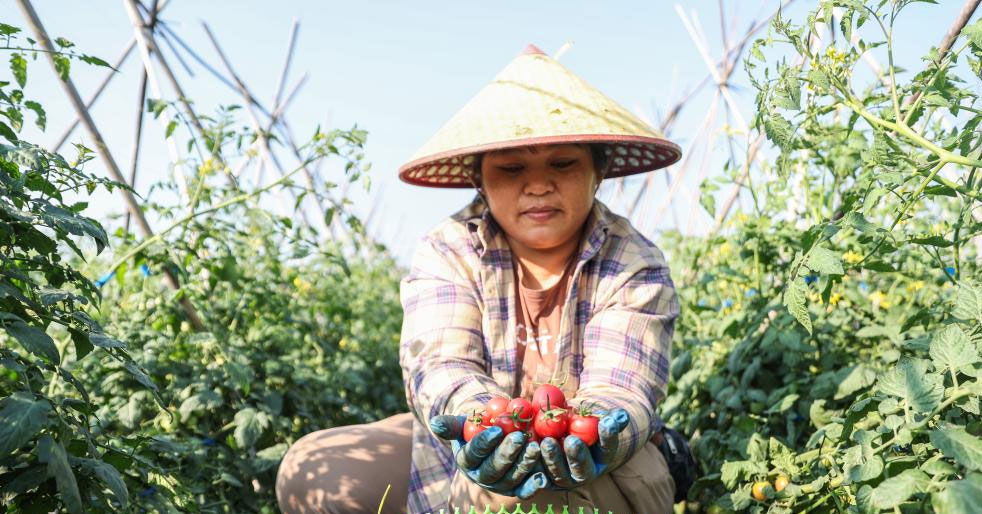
[234, 200]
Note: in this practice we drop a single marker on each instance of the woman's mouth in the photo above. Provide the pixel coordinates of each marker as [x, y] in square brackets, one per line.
[541, 214]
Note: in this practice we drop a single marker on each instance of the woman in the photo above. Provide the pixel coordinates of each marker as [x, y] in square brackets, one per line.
[535, 281]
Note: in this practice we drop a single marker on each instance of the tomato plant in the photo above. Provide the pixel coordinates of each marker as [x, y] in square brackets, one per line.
[819, 326]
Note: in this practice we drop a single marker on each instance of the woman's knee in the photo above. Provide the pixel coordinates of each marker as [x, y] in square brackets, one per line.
[303, 482]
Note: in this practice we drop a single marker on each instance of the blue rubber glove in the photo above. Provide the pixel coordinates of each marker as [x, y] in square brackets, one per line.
[576, 464]
[505, 465]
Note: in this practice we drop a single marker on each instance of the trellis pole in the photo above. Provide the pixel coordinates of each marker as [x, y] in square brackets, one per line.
[265, 149]
[75, 99]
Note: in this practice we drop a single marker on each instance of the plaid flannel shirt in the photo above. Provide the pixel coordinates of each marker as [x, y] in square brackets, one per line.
[458, 344]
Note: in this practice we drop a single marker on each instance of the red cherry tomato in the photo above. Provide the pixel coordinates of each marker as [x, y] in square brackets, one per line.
[530, 436]
[551, 423]
[507, 424]
[493, 409]
[584, 427]
[522, 412]
[471, 429]
[548, 396]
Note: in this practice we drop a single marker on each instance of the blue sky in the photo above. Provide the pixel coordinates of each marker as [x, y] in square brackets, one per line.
[400, 69]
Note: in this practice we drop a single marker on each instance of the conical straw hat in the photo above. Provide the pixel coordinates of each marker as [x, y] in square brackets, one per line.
[535, 100]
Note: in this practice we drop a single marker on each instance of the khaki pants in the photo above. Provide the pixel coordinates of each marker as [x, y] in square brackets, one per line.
[346, 469]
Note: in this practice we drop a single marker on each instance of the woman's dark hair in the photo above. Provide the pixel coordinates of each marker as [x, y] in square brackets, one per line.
[598, 151]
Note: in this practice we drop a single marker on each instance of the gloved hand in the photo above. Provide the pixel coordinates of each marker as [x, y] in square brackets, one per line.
[501, 464]
[576, 463]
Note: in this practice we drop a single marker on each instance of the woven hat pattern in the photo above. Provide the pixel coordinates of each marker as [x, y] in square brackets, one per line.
[536, 100]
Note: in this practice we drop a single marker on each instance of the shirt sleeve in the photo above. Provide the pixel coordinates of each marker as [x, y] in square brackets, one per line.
[626, 350]
[445, 365]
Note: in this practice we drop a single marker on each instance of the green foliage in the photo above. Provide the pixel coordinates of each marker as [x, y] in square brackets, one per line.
[299, 331]
[832, 335]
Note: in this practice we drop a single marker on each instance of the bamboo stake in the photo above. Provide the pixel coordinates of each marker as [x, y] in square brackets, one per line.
[141, 99]
[32, 19]
[291, 46]
[148, 44]
[265, 148]
[139, 31]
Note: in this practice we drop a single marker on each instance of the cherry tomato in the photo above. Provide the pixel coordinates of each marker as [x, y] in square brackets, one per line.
[521, 411]
[759, 490]
[551, 423]
[493, 409]
[548, 396]
[585, 427]
[530, 436]
[780, 483]
[507, 424]
[471, 429]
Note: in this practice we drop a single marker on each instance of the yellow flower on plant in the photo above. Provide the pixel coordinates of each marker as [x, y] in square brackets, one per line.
[880, 299]
[913, 287]
[834, 299]
[852, 257]
[725, 249]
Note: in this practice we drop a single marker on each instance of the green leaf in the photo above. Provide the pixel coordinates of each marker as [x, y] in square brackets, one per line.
[103, 341]
[20, 420]
[794, 300]
[18, 67]
[861, 461]
[734, 472]
[958, 496]
[170, 128]
[62, 66]
[31, 338]
[910, 381]
[249, 425]
[779, 131]
[107, 475]
[823, 260]
[269, 458]
[156, 106]
[952, 349]
[7, 132]
[968, 302]
[42, 118]
[786, 403]
[857, 222]
[91, 59]
[957, 444]
[974, 33]
[897, 489]
[819, 79]
[53, 453]
[206, 399]
[938, 241]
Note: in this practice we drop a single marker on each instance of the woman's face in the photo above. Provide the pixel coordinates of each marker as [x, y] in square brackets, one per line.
[540, 195]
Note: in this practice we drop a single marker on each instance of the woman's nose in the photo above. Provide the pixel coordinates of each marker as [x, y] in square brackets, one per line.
[538, 183]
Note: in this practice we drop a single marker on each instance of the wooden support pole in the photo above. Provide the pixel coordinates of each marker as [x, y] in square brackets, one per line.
[265, 148]
[76, 100]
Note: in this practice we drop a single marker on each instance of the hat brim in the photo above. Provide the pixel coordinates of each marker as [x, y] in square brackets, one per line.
[629, 155]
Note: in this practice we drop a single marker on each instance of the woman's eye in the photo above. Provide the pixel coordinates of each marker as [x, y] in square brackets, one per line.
[564, 163]
[510, 169]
